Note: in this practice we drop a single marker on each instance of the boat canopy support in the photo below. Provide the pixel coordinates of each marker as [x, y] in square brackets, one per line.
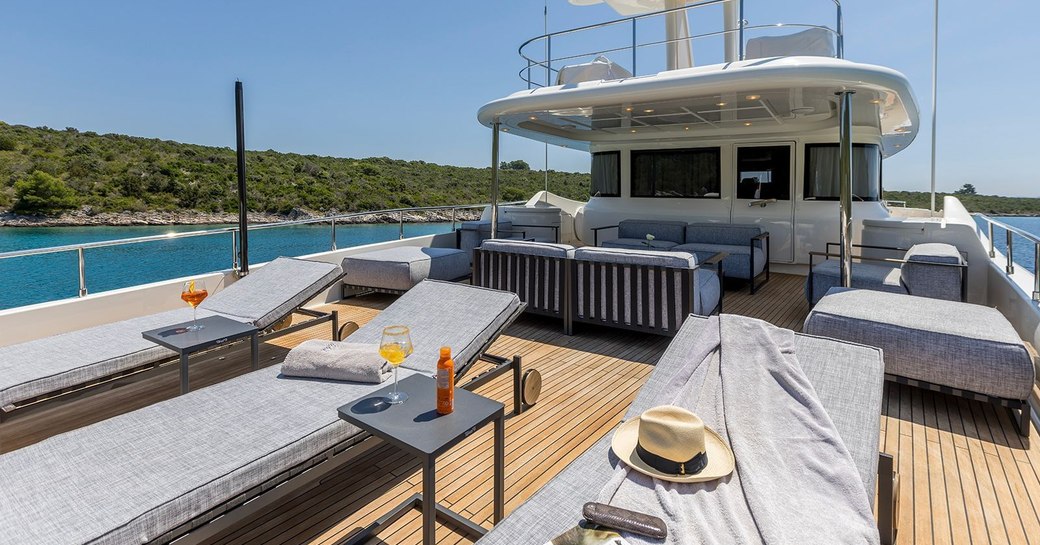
[845, 180]
[494, 178]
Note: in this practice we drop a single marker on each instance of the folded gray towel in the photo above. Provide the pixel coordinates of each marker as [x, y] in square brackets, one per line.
[336, 361]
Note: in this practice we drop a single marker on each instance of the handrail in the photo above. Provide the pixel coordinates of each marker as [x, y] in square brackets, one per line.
[742, 26]
[1009, 255]
[332, 219]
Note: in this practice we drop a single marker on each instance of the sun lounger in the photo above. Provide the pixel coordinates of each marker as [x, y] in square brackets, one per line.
[847, 379]
[156, 473]
[42, 369]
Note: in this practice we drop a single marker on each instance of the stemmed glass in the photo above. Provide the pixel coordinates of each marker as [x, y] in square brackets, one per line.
[193, 293]
[395, 346]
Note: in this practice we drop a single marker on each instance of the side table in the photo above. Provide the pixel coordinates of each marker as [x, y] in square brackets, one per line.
[217, 331]
[415, 427]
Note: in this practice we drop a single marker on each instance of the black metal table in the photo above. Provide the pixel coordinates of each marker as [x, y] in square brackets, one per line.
[217, 331]
[414, 426]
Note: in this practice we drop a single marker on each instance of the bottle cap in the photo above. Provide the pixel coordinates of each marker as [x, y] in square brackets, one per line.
[445, 351]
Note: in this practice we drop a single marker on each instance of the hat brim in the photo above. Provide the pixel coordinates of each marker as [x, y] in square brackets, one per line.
[720, 457]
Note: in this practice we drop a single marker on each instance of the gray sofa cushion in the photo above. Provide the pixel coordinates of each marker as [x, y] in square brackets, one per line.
[736, 264]
[662, 230]
[403, 267]
[925, 280]
[639, 244]
[633, 256]
[735, 234]
[847, 379]
[527, 247]
[289, 282]
[865, 275]
[948, 343]
[134, 477]
[461, 316]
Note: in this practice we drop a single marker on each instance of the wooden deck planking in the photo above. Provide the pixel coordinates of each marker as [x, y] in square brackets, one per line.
[966, 475]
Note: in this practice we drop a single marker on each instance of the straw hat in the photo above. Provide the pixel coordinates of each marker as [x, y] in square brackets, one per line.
[672, 444]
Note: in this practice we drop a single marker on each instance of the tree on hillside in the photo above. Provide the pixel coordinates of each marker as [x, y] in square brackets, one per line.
[42, 193]
[966, 189]
[519, 164]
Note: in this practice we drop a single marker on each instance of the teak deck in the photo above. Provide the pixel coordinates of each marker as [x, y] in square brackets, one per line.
[966, 476]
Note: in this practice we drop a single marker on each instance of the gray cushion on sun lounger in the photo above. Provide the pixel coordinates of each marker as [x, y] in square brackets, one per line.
[50, 364]
[402, 267]
[847, 378]
[295, 281]
[433, 311]
[133, 477]
[527, 247]
[137, 476]
[977, 350]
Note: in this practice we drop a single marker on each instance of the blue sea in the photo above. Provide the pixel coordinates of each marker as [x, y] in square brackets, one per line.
[36, 279]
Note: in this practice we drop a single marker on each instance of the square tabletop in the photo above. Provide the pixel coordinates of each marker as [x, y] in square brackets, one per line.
[415, 425]
[217, 330]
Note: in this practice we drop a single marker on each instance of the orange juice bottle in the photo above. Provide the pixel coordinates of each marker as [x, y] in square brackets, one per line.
[445, 382]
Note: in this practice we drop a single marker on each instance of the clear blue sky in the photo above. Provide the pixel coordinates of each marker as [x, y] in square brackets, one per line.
[405, 79]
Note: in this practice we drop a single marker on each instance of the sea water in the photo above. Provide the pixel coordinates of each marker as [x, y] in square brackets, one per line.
[50, 277]
[36, 279]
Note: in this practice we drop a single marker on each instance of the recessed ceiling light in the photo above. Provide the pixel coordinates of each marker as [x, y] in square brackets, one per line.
[505, 129]
[648, 111]
[686, 128]
[629, 109]
[876, 101]
[899, 145]
[747, 123]
[753, 97]
[633, 130]
[532, 117]
[720, 103]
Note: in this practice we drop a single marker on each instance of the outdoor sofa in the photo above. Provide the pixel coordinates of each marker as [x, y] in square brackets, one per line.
[931, 269]
[46, 368]
[616, 287]
[952, 347]
[746, 246]
[157, 473]
[847, 379]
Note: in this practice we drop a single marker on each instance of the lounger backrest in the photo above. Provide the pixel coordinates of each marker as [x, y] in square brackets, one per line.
[271, 292]
[466, 318]
[661, 230]
[721, 233]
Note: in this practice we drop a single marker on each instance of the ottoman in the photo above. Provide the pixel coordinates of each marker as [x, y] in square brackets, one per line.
[946, 346]
[396, 270]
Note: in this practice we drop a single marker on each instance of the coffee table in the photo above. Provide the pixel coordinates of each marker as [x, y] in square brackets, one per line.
[217, 331]
[415, 427]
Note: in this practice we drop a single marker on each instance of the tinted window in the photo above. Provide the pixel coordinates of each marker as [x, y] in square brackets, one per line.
[606, 174]
[764, 173]
[682, 173]
[821, 172]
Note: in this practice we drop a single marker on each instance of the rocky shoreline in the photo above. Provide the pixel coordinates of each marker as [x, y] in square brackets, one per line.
[86, 217]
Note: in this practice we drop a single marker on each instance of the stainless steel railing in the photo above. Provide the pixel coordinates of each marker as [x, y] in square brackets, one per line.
[1009, 254]
[333, 220]
[546, 63]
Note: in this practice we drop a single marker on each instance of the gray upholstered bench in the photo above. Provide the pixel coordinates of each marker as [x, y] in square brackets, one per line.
[632, 234]
[946, 346]
[928, 270]
[397, 270]
[746, 247]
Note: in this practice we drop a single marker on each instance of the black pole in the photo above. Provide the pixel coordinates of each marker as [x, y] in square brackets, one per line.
[243, 233]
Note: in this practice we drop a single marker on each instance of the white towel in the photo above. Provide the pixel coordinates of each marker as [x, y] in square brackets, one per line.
[336, 361]
[795, 481]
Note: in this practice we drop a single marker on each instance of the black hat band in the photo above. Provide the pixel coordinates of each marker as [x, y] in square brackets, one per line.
[692, 466]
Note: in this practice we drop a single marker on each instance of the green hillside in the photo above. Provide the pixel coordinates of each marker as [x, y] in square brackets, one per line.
[993, 205]
[46, 171]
